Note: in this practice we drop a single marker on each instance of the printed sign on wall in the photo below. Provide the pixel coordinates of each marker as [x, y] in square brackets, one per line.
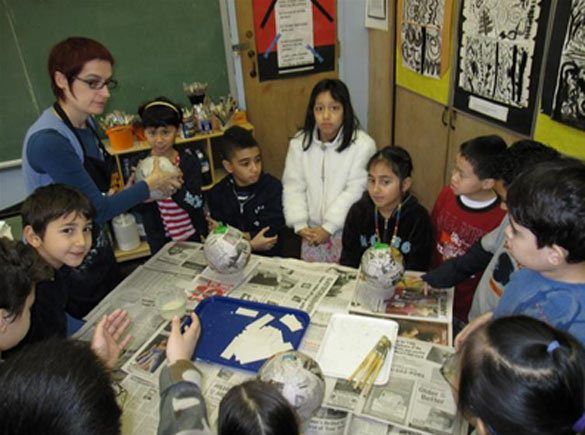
[294, 37]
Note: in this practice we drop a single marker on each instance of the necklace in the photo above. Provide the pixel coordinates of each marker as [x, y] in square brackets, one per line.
[394, 240]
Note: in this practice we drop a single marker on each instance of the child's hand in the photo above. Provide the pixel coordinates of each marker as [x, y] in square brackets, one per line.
[307, 234]
[320, 235]
[106, 342]
[471, 326]
[212, 224]
[262, 243]
[181, 346]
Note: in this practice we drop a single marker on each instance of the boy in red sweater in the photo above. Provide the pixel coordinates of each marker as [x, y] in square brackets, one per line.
[467, 209]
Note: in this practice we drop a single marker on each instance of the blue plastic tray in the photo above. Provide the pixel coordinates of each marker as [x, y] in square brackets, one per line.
[220, 324]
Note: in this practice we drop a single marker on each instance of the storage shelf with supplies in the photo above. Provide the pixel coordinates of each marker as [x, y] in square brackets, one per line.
[127, 158]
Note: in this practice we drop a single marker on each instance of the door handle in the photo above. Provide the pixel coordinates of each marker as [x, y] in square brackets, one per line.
[444, 116]
[452, 120]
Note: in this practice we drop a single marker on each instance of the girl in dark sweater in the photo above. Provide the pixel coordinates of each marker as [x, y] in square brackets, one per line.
[389, 213]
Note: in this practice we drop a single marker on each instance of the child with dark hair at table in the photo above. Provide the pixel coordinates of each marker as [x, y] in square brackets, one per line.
[517, 375]
[57, 223]
[467, 209]
[248, 198]
[546, 236]
[488, 255]
[389, 213]
[179, 216]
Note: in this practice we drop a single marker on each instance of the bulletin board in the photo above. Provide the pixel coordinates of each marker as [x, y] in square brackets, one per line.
[294, 37]
[500, 52]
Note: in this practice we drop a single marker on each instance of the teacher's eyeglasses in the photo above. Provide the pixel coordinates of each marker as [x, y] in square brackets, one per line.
[97, 84]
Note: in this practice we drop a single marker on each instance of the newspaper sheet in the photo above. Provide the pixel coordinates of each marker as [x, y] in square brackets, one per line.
[422, 316]
[140, 407]
[278, 283]
[416, 398]
[210, 283]
[136, 294]
[185, 258]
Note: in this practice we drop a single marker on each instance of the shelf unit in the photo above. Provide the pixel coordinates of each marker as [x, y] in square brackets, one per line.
[140, 147]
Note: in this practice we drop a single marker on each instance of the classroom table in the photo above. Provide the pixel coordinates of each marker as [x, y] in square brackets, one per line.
[416, 397]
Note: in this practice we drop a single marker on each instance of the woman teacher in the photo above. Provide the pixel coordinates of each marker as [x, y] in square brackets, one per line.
[62, 146]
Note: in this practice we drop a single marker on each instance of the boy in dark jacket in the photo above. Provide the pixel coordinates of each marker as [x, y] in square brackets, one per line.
[248, 199]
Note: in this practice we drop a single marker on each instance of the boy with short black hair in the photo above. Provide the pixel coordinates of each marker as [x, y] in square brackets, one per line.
[57, 223]
[248, 199]
[488, 255]
[546, 236]
[467, 209]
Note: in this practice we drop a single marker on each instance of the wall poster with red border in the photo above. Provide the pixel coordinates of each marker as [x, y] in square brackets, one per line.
[294, 37]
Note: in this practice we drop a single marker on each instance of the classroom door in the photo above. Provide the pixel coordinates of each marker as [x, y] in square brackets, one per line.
[276, 108]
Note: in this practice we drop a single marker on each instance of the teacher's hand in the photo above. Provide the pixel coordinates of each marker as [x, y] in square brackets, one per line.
[163, 181]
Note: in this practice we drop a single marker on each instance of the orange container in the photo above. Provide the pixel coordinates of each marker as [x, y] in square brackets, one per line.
[121, 137]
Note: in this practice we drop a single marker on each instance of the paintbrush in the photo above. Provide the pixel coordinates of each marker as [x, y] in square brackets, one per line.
[366, 373]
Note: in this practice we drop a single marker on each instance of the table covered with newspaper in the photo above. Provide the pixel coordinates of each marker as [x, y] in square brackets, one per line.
[415, 400]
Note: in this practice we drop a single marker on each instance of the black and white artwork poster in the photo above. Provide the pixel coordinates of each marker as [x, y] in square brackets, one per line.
[422, 35]
[499, 59]
[564, 91]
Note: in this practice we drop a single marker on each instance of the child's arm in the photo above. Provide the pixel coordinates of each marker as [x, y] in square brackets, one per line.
[294, 195]
[458, 269]
[182, 406]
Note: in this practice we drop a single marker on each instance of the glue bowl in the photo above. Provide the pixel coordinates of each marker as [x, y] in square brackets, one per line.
[171, 302]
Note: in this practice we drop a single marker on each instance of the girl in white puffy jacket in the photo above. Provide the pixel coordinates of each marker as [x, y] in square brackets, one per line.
[325, 171]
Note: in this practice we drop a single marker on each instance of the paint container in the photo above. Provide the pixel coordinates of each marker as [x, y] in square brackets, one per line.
[121, 137]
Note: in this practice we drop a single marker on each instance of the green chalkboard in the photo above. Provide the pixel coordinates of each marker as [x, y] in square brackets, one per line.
[157, 45]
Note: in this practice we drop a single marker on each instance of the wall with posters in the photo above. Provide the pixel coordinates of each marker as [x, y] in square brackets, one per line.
[527, 117]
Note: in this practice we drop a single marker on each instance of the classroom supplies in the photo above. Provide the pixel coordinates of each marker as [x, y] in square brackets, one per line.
[349, 339]
[171, 302]
[126, 232]
[195, 92]
[244, 334]
[366, 373]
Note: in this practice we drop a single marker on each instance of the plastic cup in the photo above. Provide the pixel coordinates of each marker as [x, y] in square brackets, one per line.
[171, 302]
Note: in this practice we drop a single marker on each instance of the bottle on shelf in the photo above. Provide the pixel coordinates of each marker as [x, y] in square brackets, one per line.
[205, 168]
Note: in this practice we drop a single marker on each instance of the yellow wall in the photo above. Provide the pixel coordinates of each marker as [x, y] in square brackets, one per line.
[566, 139]
[435, 89]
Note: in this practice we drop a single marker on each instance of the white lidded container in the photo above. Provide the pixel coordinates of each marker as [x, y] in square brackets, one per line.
[126, 232]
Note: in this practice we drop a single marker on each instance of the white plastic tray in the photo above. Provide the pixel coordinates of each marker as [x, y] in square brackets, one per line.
[349, 339]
